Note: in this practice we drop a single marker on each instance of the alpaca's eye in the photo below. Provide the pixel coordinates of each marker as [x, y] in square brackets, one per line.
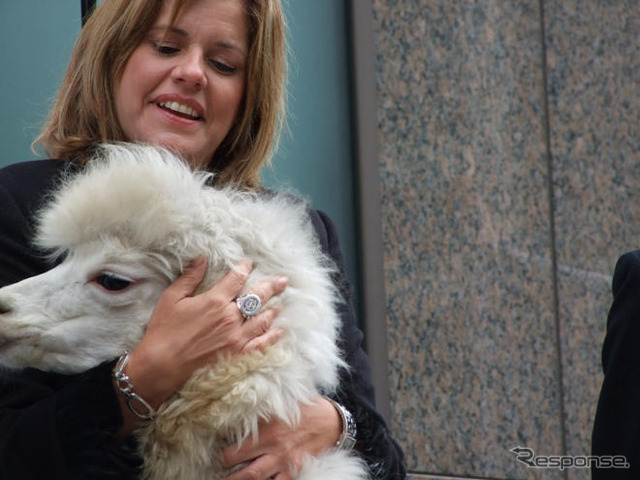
[112, 282]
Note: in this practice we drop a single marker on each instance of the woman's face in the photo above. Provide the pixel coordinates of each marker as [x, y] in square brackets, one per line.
[183, 85]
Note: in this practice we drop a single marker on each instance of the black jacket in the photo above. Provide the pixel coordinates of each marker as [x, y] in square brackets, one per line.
[61, 426]
[616, 430]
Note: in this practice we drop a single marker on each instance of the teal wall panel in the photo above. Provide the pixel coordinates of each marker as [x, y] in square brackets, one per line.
[36, 39]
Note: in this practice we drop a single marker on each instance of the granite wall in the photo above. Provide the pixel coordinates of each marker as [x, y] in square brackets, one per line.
[510, 170]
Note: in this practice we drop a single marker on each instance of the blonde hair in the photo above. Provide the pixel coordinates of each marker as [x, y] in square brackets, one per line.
[84, 113]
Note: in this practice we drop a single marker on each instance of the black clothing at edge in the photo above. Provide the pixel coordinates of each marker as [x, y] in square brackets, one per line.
[616, 430]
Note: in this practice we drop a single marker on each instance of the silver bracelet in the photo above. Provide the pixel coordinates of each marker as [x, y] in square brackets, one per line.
[347, 439]
[124, 384]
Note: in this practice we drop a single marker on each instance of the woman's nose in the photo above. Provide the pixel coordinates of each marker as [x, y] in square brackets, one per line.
[190, 70]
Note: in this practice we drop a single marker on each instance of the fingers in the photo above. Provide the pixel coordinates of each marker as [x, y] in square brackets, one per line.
[262, 341]
[270, 288]
[232, 283]
[187, 283]
[264, 466]
[282, 476]
[280, 449]
[212, 321]
[261, 323]
[257, 328]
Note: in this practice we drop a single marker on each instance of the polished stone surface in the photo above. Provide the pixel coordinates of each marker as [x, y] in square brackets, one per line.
[474, 367]
[497, 281]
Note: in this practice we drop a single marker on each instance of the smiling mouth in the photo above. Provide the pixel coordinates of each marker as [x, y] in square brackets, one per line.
[180, 110]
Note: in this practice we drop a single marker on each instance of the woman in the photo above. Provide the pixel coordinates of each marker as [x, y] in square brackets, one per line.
[206, 79]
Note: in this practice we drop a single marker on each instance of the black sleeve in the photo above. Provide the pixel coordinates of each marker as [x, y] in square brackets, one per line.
[616, 429]
[374, 442]
[52, 426]
[62, 427]
[17, 260]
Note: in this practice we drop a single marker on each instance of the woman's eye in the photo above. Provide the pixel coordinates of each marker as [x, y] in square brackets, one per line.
[164, 49]
[222, 67]
[113, 282]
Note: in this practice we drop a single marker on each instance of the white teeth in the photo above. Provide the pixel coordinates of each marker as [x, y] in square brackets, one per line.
[180, 108]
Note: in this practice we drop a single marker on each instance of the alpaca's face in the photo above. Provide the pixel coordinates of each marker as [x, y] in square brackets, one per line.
[87, 310]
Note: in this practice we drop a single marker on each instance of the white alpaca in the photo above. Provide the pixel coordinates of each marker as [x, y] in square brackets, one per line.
[128, 225]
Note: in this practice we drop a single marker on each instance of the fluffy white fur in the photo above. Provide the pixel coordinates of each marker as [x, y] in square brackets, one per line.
[140, 213]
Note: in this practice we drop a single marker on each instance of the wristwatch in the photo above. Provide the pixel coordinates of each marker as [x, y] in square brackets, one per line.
[347, 439]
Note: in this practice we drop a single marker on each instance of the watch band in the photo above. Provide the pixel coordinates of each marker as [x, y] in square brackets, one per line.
[347, 439]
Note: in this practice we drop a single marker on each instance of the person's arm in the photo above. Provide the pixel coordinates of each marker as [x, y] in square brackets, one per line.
[616, 430]
[58, 426]
[22, 189]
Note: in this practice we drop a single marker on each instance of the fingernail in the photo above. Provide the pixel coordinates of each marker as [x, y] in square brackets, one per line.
[246, 265]
[198, 262]
[282, 282]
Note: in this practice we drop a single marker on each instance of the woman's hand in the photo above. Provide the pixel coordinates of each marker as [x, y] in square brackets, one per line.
[187, 332]
[279, 450]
